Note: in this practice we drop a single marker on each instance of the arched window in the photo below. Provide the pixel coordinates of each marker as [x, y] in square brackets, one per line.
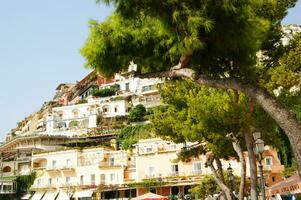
[75, 113]
[105, 109]
[61, 114]
[6, 169]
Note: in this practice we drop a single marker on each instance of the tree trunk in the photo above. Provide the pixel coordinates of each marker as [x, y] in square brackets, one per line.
[252, 163]
[284, 118]
[217, 175]
[238, 150]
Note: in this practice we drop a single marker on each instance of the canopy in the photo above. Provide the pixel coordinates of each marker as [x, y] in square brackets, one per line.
[37, 196]
[26, 197]
[50, 196]
[83, 193]
[63, 196]
[150, 196]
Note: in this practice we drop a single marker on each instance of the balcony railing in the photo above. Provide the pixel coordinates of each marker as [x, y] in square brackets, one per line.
[8, 191]
[52, 169]
[67, 168]
[38, 168]
[109, 164]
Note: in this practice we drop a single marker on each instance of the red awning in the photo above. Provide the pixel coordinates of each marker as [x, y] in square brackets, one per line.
[150, 196]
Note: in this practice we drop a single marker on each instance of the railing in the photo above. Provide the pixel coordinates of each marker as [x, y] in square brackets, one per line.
[52, 169]
[23, 159]
[8, 191]
[38, 168]
[67, 167]
[109, 164]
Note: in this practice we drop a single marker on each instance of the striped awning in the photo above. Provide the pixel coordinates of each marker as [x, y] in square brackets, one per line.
[50, 195]
[38, 196]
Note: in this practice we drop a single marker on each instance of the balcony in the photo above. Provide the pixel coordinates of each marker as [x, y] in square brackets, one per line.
[52, 169]
[67, 168]
[40, 168]
[109, 165]
[24, 160]
[196, 172]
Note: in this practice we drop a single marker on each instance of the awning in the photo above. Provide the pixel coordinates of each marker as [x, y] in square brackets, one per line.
[50, 195]
[83, 193]
[63, 196]
[150, 196]
[37, 196]
[26, 196]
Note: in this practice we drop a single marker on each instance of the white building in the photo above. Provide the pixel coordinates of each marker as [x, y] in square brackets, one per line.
[77, 173]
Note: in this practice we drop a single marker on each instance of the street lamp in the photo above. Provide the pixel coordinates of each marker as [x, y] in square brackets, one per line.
[230, 179]
[259, 148]
[160, 179]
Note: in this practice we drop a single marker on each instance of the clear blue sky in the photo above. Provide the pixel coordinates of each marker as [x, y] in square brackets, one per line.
[39, 48]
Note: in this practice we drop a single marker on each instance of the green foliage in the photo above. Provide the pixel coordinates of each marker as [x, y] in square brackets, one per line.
[284, 80]
[290, 170]
[25, 182]
[208, 186]
[185, 155]
[82, 101]
[137, 113]
[130, 135]
[155, 34]
[202, 114]
[106, 92]
[73, 124]
[146, 183]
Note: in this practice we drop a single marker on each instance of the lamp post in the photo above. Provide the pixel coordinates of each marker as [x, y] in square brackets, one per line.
[259, 148]
[160, 182]
[230, 179]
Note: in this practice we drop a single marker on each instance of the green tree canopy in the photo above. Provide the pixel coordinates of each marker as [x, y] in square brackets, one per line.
[217, 40]
[200, 114]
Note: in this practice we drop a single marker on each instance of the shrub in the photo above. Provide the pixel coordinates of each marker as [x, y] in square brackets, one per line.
[82, 101]
[106, 92]
[137, 113]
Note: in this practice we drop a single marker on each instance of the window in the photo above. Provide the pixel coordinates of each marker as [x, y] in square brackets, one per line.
[75, 113]
[273, 179]
[102, 179]
[116, 109]
[39, 182]
[111, 162]
[268, 161]
[92, 179]
[148, 88]
[151, 171]
[149, 149]
[175, 170]
[112, 177]
[197, 167]
[49, 181]
[81, 181]
[68, 163]
[6, 169]
[68, 180]
[173, 147]
[105, 109]
[127, 87]
[54, 164]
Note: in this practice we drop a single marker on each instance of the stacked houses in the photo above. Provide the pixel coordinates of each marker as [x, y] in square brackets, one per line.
[69, 147]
